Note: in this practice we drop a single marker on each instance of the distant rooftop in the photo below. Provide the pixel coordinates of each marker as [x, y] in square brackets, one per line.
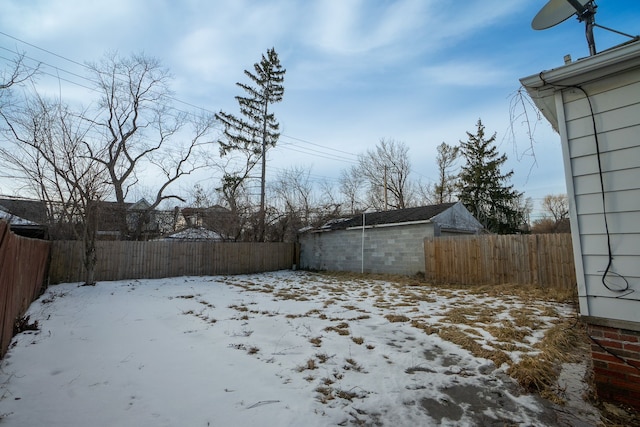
[421, 213]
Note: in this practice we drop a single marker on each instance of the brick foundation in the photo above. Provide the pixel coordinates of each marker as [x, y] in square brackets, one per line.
[615, 380]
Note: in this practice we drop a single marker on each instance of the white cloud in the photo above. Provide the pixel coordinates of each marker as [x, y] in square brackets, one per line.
[466, 73]
[41, 20]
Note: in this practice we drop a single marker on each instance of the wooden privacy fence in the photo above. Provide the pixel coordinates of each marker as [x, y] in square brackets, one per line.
[538, 259]
[119, 260]
[23, 265]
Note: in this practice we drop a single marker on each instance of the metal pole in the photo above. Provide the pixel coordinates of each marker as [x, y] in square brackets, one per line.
[363, 218]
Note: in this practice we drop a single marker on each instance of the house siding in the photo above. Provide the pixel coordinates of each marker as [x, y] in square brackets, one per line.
[394, 249]
[603, 187]
[616, 107]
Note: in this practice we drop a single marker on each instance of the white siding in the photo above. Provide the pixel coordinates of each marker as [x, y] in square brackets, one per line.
[616, 105]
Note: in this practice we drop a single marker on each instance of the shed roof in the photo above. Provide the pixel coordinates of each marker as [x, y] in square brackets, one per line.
[421, 213]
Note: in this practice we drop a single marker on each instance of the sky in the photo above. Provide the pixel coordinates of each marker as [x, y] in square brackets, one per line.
[420, 72]
[286, 348]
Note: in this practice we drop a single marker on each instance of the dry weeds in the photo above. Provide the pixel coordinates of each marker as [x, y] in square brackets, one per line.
[490, 328]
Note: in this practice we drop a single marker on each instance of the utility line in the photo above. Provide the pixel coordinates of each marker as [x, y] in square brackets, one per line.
[323, 154]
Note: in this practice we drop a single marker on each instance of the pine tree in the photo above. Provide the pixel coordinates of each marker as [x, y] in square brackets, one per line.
[484, 189]
[257, 129]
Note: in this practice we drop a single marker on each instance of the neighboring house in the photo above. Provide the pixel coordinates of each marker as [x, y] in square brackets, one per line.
[36, 213]
[383, 242]
[110, 213]
[216, 218]
[204, 217]
[594, 104]
[26, 217]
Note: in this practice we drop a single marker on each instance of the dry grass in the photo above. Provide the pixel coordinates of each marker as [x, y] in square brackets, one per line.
[341, 328]
[460, 337]
[394, 318]
[525, 293]
[493, 329]
[325, 394]
[352, 365]
[309, 365]
[507, 332]
[316, 341]
[426, 327]
[323, 357]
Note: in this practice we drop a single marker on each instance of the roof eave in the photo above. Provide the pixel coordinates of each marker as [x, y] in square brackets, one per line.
[391, 224]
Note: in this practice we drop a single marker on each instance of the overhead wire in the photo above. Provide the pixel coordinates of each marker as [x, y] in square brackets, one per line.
[325, 152]
[329, 152]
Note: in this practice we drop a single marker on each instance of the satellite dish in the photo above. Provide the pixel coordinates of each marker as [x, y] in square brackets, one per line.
[557, 11]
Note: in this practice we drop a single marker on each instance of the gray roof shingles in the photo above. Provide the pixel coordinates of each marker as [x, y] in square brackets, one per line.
[420, 213]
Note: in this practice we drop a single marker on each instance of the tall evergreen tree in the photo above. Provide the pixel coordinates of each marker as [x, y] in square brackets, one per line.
[484, 189]
[256, 129]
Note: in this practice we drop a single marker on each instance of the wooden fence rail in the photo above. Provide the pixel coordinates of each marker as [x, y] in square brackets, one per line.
[539, 259]
[23, 265]
[156, 259]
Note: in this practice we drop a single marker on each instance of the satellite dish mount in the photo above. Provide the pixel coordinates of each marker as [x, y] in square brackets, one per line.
[587, 14]
[557, 11]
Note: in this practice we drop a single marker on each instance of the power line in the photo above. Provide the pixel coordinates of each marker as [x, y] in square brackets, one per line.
[326, 152]
[302, 150]
[321, 146]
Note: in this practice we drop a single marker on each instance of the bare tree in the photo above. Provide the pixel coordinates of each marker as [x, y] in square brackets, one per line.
[555, 215]
[294, 205]
[557, 205]
[140, 130]
[386, 170]
[444, 190]
[49, 153]
[17, 73]
[351, 188]
[294, 189]
[330, 204]
[234, 194]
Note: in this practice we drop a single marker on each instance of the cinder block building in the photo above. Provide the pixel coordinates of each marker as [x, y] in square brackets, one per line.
[383, 242]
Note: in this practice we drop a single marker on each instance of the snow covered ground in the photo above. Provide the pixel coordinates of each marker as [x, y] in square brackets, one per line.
[275, 349]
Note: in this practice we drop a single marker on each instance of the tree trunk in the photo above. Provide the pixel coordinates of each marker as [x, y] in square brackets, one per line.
[89, 242]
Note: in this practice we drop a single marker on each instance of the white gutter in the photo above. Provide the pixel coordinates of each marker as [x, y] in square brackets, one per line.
[542, 86]
[609, 62]
[394, 224]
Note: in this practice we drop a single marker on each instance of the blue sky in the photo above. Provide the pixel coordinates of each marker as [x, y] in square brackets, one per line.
[417, 71]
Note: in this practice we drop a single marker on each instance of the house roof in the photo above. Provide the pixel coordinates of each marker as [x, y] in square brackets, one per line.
[421, 213]
[34, 211]
[13, 219]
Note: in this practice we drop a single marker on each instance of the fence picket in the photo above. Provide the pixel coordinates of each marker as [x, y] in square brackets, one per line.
[118, 260]
[20, 281]
[539, 259]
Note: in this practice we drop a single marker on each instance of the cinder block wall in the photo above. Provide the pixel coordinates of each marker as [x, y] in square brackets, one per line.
[394, 250]
[616, 381]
